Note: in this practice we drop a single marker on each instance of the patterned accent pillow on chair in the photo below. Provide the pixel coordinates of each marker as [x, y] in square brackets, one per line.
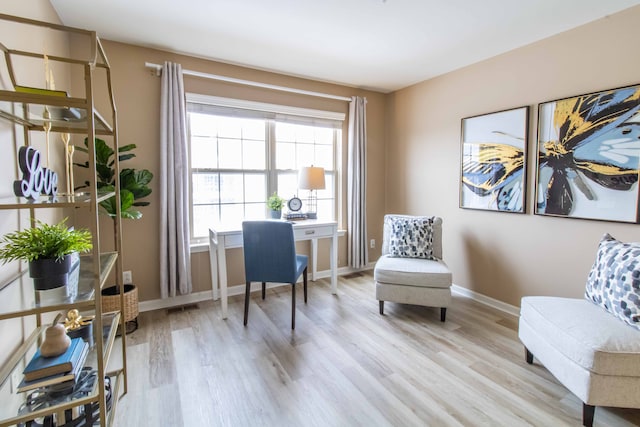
[614, 280]
[411, 237]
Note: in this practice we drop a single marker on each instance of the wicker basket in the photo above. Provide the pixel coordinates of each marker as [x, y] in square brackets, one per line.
[111, 301]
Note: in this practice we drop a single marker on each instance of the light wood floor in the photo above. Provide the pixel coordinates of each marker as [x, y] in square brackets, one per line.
[345, 365]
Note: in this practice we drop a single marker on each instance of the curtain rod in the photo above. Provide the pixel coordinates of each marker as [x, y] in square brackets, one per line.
[158, 70]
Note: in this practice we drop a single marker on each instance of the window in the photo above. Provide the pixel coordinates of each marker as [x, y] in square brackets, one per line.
[239, 156]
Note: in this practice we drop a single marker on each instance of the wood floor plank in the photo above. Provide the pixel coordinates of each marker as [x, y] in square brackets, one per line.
[343, 365]
[161, 358]
[192, 384]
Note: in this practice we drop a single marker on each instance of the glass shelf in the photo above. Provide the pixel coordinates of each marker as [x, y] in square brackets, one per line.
[14, 410]
[59, 201]
[66, 114]
[80, 296]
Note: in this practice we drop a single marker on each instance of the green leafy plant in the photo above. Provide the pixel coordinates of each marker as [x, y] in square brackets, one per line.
[44, 241]
[275, 202]
[133, 183]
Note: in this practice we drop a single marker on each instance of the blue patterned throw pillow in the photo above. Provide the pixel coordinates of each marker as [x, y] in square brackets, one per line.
[614, 280]
[410, 237]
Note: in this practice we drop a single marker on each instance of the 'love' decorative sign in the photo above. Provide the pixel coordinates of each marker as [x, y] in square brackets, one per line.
[35, 180]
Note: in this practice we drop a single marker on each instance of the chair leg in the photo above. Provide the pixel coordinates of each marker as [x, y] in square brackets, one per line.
[528, 356]
[247, 291]
[264, 289]
[587, 414]
[304, 282]
[381, 307]
[443, 313]
[293, 306]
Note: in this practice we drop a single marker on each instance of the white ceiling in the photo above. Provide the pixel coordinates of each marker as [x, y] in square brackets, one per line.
[382, 45]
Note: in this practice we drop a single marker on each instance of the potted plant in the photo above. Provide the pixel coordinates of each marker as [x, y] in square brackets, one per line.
[275, 204]
[133, 187]
[48, 249]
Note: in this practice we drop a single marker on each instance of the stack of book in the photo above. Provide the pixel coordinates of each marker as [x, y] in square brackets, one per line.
[45, 371]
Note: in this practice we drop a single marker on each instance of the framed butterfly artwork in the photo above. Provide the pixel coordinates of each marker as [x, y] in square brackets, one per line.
[494, 157]
[589, 156]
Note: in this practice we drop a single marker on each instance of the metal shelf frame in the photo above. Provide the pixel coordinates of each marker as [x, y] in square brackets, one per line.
[24, 109]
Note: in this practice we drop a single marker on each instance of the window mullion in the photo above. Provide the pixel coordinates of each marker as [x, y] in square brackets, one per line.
[272, 179]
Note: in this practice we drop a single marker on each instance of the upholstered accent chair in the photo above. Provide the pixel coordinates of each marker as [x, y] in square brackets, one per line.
[592, 345]
[411, 269]
[270, 256]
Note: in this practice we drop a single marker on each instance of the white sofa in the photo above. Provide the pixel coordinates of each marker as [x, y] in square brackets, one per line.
[591, 352]
[417, 281]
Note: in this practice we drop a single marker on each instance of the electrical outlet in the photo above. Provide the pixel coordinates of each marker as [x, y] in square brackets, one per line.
[126, 277]
[372, 243]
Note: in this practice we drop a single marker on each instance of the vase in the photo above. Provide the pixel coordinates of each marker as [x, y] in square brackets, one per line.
[276, 214]
[85, 332]
[49, 273]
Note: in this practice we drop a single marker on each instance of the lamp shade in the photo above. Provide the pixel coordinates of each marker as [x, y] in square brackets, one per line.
[311, 178]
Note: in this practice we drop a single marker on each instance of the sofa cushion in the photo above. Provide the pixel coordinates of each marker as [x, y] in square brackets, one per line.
[412, 272]
[585, 334]
[614, 280]
[410, 237]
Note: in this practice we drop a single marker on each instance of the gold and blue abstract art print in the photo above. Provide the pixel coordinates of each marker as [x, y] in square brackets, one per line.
[588, 156]
[494, 156]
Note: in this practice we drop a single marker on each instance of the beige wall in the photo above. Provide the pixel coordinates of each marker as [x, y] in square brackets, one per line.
[502, 255]
[137, 92]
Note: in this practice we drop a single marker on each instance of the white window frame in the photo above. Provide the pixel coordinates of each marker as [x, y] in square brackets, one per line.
[207, 104]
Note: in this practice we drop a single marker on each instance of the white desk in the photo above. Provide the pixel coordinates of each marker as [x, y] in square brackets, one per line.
[224, 237]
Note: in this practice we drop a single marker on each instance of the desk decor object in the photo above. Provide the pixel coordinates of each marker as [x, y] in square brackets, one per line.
[589, 156]
[493, 171]
[311, 178]
[294, 204]
[275, 204]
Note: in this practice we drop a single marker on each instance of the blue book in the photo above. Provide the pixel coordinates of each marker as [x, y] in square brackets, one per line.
[57, 378]
[40, 366]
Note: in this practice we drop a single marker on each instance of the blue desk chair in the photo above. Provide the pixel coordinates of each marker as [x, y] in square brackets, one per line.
[270, 256]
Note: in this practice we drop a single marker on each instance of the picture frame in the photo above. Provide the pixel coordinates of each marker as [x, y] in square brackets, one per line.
[588, 156]
[493, 161]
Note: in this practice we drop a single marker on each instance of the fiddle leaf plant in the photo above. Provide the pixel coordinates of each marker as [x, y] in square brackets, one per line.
[134, 184]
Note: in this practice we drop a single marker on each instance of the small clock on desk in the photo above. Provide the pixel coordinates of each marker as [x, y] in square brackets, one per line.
[295, 204]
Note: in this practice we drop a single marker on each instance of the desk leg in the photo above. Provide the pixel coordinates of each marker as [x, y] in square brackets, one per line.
[333, 254]
[314, 259]
[222, 271]
[213, 262]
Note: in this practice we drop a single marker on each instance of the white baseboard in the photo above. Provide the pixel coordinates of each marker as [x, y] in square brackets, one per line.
[196, 297]
[239, 290]
[483, 299]
[176, 301]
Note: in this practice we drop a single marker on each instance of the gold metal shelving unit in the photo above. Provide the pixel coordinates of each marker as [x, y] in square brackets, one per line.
[26, 110]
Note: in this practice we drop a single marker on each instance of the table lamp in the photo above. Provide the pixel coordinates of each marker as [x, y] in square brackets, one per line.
[311, 178]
